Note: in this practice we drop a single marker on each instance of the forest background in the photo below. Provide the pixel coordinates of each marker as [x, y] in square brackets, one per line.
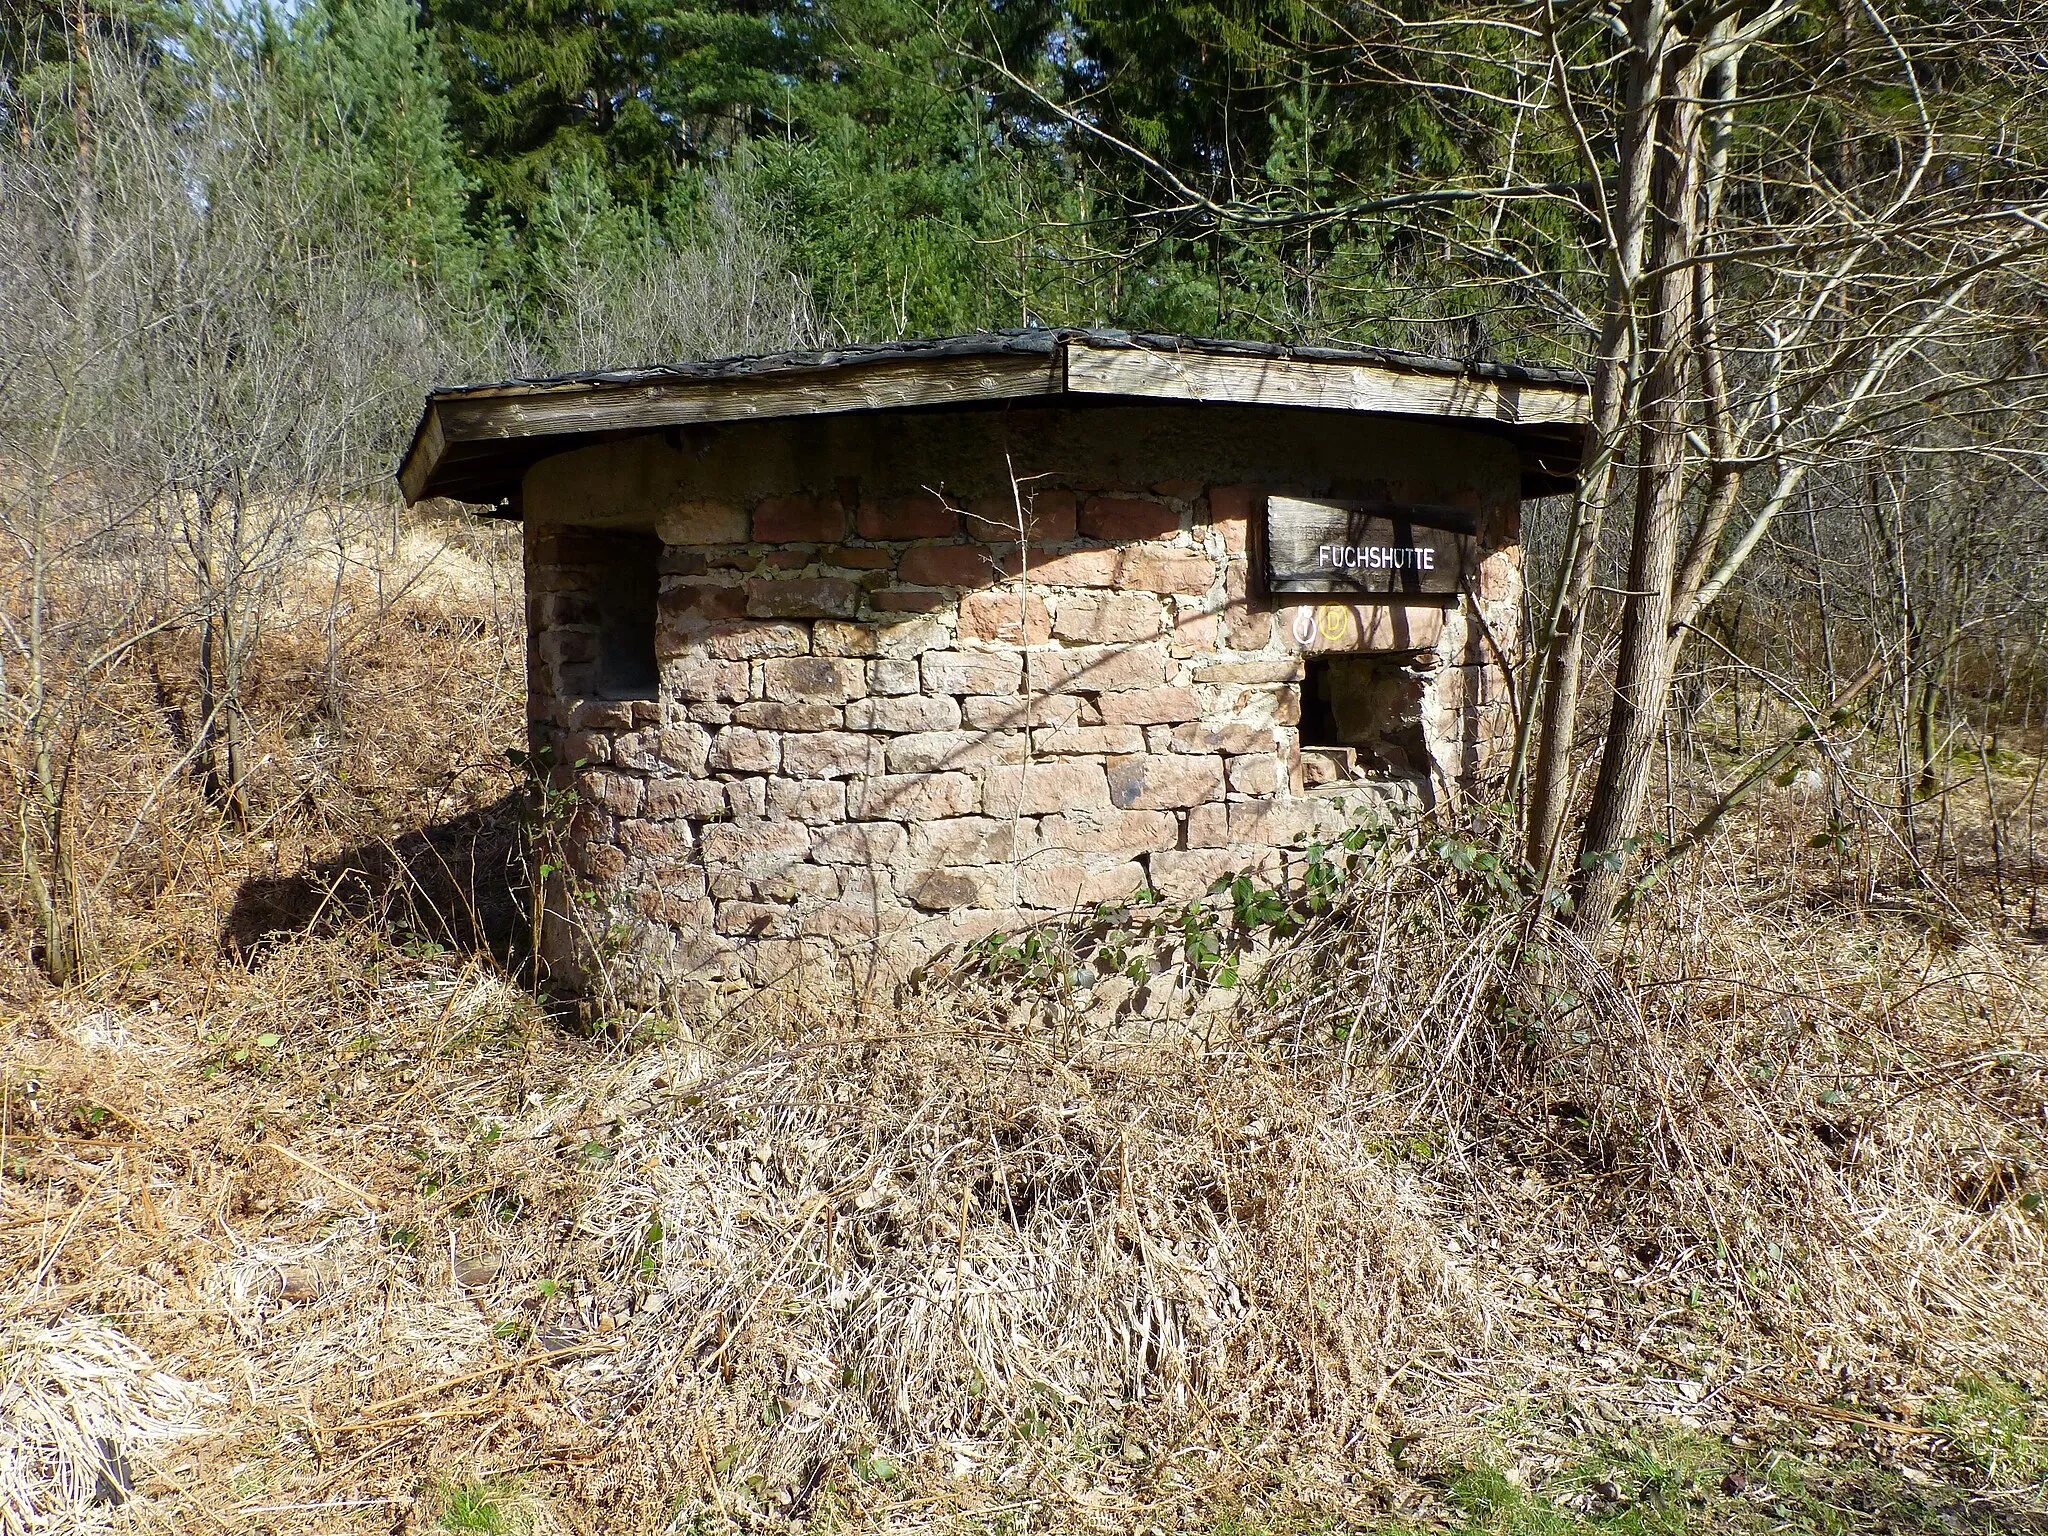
[512, 171]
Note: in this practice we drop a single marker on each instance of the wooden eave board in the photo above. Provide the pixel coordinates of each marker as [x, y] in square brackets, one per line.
[542, 410]
[1326, 385]
[666, 403]
[580, 409]
[428, 445]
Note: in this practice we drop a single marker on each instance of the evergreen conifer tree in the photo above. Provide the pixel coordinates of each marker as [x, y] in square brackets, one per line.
[367, 82]
[637, 88]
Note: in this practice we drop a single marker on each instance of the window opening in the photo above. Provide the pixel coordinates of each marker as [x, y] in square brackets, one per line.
[1361, 715]
[626, 583]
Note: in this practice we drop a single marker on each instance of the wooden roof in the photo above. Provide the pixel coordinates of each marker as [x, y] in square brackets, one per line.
[474, 443]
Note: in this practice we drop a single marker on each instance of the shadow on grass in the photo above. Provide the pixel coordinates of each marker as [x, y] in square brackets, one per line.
[1752, 1492]
[460, 883]
[1693, 1484]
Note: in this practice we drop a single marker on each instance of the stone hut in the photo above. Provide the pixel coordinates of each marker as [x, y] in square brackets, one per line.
[869, 651]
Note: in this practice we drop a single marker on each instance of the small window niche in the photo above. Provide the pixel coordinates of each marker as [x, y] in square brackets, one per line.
[1361, 717]
[625, 582]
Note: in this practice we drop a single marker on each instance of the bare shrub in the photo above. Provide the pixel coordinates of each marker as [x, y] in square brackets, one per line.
[625, 296]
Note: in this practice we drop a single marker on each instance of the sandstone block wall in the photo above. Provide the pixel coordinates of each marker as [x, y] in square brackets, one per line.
[886, 722]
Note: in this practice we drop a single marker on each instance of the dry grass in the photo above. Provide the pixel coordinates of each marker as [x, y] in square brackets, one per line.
[352, 1236]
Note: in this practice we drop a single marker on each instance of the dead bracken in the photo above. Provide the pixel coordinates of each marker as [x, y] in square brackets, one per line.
[374, 1234]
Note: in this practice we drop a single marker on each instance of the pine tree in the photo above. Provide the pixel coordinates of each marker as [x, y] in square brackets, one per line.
[895, 183]
[365, 78]
[637, 88]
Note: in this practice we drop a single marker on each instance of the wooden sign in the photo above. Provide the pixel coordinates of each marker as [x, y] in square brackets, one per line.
[1367, 549]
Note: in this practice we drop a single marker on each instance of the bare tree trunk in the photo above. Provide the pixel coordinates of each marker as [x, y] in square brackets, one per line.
[1554, 718]
[1643, 676]
[45, 841]
[1892, 544]
[234, 726]
[39, 826]
[207, 742]
[1926, 707]
[85, 195]
[44, 844]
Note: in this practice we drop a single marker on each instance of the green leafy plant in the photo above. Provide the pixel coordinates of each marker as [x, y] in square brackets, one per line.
[1206, 940]
[474, 1507]
[229, 1051]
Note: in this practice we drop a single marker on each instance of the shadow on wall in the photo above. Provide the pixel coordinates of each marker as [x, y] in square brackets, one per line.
[460, 883]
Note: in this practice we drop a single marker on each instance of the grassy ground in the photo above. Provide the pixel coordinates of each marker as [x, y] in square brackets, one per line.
[314, 1219]
[417, 1242]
